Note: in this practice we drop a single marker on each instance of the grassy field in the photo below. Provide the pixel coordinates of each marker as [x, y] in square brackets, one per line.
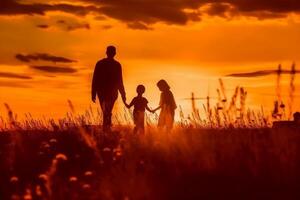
[188, 163]
[230, 153]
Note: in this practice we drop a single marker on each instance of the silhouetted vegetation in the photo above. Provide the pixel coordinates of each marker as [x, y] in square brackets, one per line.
[204, 159]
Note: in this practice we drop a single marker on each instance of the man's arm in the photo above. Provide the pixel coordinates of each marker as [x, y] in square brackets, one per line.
[121, 85]
[131, 104]
[94, 83]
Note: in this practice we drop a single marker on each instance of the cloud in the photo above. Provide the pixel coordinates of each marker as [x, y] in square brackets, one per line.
[61, 21]
[72, 25]
[43, 57]
[178, 12]
[14, 84]
[43, 26]
[139, 26]
[275, 6]
[15, 7]
[14, 75]
[128, 11]
[106, 27]
[78, 26]
[149, 12]
[260, 73]
[54, 69]
[225, 10]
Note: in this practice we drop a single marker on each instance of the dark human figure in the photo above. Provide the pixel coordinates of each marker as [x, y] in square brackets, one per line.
[107, 81]
[297, 118]
[167, 105]
[140, 104]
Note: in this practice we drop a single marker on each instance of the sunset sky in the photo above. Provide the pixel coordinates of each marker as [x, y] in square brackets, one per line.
[49, 49]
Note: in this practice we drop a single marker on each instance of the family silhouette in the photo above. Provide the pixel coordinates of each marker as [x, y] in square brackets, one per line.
[108, 82]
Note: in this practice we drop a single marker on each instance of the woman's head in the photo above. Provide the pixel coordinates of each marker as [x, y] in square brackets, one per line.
[140, 89]
[163, 85]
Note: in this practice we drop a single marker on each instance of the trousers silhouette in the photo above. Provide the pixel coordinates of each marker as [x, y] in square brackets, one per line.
[107, 105]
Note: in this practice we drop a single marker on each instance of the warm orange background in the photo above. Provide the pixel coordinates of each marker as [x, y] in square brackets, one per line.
[191, 56]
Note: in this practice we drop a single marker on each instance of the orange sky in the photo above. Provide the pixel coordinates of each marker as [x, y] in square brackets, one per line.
[189, 43]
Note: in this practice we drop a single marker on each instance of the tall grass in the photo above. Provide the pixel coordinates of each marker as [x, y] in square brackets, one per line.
[189, 163]
[229, 153]
[228, 112]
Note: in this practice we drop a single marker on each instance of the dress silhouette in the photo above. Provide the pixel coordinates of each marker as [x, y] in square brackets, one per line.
[167, 105]
[107, 81]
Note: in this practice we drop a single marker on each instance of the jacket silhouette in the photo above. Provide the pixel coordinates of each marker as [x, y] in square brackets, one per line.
[107, 82]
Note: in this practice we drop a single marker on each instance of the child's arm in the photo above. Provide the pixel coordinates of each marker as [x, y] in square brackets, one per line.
[129, 105]
[159, 107]
[147, 108]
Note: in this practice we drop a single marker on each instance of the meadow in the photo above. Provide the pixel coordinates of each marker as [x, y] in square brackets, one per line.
[198, 159]
[230, 153]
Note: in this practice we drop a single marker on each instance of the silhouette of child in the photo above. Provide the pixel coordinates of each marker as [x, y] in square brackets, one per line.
[297, 118]
[167, 105]
[140, 103]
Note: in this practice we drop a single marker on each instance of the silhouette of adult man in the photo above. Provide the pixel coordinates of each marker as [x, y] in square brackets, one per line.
[107, 81]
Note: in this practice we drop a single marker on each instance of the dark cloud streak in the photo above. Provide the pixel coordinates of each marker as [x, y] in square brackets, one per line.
[14, 75]
[73, 27]
[43, 26]
[259, 73]
[138, 26]
[54, 69]
[43, 57]
[14, 7]
[13, 84]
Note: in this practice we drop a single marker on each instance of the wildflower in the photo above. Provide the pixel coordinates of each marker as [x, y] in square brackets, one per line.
[126, 198]
[86, 186]
[73, 179]
[15, 197]
[45, 145]
[38, 191]
[106, 149]
[118, 152]
[27, 195]
[43, 177]
[88, 173]
[14, 179]
[53, 141]
[61, 156]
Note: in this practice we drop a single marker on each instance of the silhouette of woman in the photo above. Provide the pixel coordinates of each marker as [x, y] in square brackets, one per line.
[167, 105]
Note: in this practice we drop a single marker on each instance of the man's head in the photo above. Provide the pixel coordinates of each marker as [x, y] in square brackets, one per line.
[111, 51]
[140, 89]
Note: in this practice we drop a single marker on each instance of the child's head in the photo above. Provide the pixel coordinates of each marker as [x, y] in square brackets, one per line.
[163, 85]
[297, 117]
[140, 89]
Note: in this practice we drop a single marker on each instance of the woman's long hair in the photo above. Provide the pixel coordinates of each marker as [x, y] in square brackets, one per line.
[163, 85]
